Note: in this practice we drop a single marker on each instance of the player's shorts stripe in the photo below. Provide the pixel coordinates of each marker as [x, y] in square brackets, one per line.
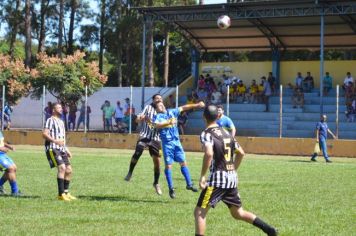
[52, 157]
[207, 196]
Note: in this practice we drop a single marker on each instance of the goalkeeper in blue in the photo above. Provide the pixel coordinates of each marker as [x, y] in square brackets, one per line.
[166, 123]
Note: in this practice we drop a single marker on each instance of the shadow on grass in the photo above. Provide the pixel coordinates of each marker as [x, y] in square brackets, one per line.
[20, 197]
[120, 199]
[302, 161]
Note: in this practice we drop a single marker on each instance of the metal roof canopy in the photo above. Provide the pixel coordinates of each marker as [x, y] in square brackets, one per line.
[263, 25]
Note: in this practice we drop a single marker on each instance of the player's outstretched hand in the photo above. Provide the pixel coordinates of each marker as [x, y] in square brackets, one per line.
[202, 182]
[201, 104]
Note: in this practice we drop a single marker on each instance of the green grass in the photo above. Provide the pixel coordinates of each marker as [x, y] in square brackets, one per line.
[298, 197]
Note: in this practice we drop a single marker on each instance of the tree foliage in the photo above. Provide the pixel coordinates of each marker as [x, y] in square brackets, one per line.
[66, 78]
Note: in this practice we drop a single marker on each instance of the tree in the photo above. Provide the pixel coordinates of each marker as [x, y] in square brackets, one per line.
[28, 33]
[65, 78]
[15, 77]
[150, 49]
[73, 6]
[14, 19]
[43, 16]
[60, 28]
[102, 30]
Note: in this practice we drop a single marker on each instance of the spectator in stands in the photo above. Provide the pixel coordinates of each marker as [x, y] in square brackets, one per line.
[321, 132]
[349, 92]
[72, 115]
[253, 92]
[109, 112]
[327, 83]
[119, 118]
[103, 115]
[202, 95]
[128, 110]
[233, 90]
[266, 92]
[272, 82]
[299, 81]
[226, 80]
[298, 98]
[201, 82]
[308, 83]
[216, 97]
[81, 118]
[351, 111]
[348, 79]
[182, 121]
[241, 91]
[7, 116]
[260, 93]
[48, 110]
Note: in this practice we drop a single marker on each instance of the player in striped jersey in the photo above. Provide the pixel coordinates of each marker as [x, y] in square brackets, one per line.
[219, 154]
[148, 138]
[58, 155]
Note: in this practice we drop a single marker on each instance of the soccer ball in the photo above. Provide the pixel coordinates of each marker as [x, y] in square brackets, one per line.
[224, 22]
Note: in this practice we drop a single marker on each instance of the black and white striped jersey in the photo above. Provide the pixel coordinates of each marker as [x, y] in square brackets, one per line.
[148, 131]
[56, 131]
[222, 168]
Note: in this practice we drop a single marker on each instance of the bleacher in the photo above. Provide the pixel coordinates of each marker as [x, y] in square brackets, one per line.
[251, 120]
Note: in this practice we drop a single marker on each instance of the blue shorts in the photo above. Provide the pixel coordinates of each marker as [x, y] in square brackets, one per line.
[108, 121]
[5, 162]
[173, 151]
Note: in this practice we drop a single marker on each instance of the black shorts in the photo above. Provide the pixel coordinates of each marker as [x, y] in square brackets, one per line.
[56, 157]
[210, 196]
[153, 146]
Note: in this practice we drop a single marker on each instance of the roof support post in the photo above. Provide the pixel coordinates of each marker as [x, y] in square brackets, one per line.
[195, 54]
[276, 59]
[322, 25]
[143, 79]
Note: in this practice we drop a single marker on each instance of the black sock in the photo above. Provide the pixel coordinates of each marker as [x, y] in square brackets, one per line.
[60, 186]
[66, 185]
[269, 230]
[156, 176]
[199, 234]
[132, 167]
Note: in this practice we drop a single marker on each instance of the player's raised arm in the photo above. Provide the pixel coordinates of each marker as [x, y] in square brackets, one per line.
[192, 106]
[164, 124]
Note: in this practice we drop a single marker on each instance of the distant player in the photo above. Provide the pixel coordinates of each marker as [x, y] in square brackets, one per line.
[166, 123]
[225, 122]
[148, 138]
[58, 154]
[219, 149]
[9, 168]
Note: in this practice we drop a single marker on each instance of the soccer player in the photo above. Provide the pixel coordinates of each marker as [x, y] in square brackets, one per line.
[58, 154]
[148, 138]
[166, 123]
[225, 122]
[8, 166]
[219, 148]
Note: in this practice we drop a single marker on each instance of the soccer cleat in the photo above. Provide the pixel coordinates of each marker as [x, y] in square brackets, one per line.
[70, 196]
[128, 176]
[17, 194]
[172, 194]
[2, 190]
[191, 187]
[329, 161]
[158, 189]
[313, 159]
[64, 198]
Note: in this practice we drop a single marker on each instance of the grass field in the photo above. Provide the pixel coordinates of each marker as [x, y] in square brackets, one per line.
[298, 197]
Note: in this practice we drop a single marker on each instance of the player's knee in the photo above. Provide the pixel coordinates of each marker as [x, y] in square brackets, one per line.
[138, 153]
[182, 164]
[12, 168]
[62, 169]
[68, 170]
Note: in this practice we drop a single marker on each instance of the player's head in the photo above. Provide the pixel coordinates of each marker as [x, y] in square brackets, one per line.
[220, 110]
[57, 109]
[323, 117]
[211, 113]
[157, 98]
[160, 108]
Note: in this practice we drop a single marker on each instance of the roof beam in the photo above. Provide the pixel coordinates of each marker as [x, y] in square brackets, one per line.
[349, 21]
[280, 35]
